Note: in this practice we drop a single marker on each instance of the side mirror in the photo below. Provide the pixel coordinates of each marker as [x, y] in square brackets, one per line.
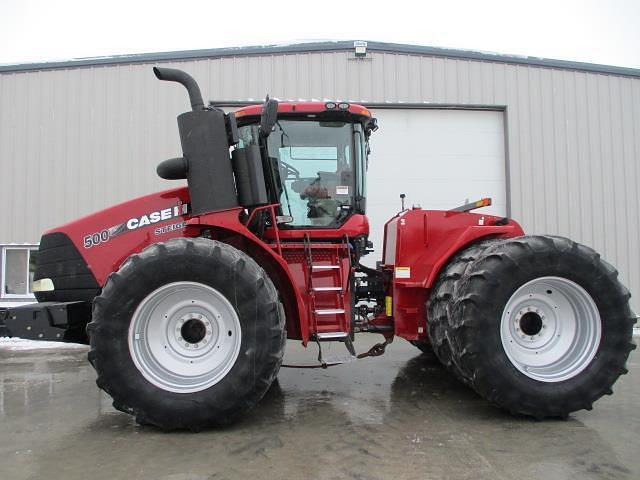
[371, 126]
[269, 116]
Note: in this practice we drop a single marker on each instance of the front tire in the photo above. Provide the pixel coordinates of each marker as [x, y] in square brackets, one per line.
[540, 325]
[188, 334]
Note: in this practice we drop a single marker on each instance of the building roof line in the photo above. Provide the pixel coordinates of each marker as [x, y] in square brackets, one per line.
[325, 46]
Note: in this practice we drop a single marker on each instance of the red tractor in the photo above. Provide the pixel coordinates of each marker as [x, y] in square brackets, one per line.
[189, 295]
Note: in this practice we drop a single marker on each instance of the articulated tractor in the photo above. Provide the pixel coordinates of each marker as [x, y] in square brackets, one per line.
[187, 296]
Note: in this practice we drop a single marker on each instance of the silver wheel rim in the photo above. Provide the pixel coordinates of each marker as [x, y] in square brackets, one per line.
[550, 329]
[184, 337]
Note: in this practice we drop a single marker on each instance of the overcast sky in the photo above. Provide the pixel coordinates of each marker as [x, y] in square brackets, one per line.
[606, 31]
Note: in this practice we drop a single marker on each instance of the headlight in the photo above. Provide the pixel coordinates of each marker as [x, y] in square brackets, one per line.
[42, 285]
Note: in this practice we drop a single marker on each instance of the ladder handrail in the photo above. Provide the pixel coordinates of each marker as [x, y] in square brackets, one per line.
[309, 276]
[345, 243]
[336, 262]
[309, 258]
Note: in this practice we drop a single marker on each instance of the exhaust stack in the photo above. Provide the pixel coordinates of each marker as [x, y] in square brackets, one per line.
[186, 80]
[205, 139]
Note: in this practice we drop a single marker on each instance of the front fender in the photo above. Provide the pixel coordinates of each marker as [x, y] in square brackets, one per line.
[226, 227]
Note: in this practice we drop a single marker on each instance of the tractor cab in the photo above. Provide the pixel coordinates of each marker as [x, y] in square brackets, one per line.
[314, 158]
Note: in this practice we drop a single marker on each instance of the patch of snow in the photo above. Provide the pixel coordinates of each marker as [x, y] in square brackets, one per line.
[14, 344]
[295, 41]
[16, 304]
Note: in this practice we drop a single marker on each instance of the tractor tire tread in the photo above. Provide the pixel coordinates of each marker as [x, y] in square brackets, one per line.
[480, 355]
[168, 411]
[439, 325]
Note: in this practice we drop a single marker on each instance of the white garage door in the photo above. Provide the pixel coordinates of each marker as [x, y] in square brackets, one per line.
[438, 158]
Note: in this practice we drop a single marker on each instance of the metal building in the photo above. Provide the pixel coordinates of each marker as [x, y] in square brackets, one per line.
[555, 143]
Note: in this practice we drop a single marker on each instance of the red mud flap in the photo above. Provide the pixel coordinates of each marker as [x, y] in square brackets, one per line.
[57, 321]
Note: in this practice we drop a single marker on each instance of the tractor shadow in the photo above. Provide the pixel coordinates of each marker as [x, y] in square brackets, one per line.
[423, 382]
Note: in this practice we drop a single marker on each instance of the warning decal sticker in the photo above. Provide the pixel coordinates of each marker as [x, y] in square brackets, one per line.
[403, 272]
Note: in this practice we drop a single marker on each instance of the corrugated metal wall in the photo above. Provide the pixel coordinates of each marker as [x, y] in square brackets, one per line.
[75, 140]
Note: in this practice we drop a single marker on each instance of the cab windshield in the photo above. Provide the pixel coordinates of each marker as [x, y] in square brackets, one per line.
[317, 163]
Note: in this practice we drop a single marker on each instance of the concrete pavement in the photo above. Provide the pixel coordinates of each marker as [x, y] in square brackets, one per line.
[399, 416]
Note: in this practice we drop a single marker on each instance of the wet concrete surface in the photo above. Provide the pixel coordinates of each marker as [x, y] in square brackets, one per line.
[400, 416]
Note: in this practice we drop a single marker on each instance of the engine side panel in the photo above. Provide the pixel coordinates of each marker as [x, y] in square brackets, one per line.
[106, 238]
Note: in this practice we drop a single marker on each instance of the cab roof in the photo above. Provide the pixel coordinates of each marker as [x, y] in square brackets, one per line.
[307, 107]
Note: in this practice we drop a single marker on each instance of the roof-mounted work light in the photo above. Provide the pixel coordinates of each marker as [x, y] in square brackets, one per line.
[360, 48]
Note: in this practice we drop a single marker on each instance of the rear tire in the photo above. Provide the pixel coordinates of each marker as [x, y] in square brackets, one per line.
[540, 325]
[423, 345]
[188, 334]
[438, 307]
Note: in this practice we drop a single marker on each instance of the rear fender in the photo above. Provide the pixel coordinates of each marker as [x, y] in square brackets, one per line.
[426, 239]
[423, 242]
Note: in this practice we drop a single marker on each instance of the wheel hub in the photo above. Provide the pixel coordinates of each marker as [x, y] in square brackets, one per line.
[529, 323]
[550, 329]
[184, 337]
[194, 330]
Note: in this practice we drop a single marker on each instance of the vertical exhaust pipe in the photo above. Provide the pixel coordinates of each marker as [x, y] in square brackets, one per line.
[205, 148]
[186, 80]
